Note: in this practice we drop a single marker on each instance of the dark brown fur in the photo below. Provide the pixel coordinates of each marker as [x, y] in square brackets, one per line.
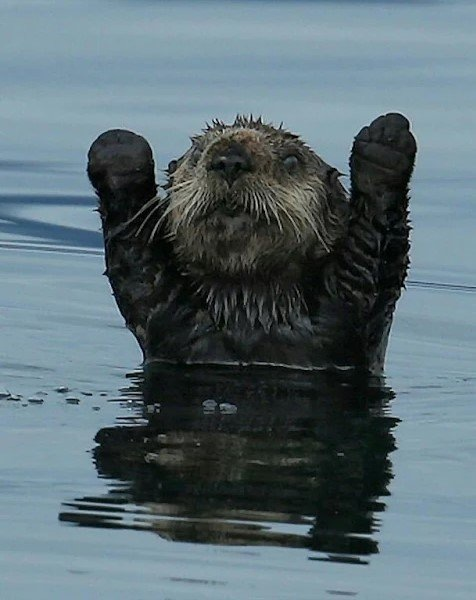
[256, 254]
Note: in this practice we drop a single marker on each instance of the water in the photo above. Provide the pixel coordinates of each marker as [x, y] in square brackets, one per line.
[275, 488]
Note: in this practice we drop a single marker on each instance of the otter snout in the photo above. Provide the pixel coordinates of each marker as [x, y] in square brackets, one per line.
[231, 162]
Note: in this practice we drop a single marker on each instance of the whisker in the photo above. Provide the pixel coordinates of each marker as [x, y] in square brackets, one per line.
[259, 200]
[289, 212]
[301, 213]
[290, 218]
[201, 204]
[167, 211]
[309, 219]
[155, 200]
[147, 218]
[169, 236]
[180, 186]
[193, 205]
[276, 215]
[247, 203]
[255, 204]
[266, 213]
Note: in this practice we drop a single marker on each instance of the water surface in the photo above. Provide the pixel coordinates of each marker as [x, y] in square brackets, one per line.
[266, 486]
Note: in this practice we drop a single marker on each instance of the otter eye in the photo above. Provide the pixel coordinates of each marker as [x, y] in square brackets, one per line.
[172, 167]
[290, 162]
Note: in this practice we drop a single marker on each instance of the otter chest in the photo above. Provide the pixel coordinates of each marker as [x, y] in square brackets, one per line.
[191, 336]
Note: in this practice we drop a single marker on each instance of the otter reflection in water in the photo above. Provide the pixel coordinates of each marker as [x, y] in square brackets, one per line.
[265, 458]
[255, 253]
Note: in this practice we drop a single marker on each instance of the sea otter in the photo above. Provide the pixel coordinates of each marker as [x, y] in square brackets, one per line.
[254, 253]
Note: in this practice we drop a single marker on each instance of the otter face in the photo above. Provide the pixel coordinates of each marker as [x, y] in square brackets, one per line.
[247, 196]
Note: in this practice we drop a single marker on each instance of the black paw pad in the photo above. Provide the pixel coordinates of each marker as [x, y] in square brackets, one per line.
[119, 154]
[121, 169]
[384, 152]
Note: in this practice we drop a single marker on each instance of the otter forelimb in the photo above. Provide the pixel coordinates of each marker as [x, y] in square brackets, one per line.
[370, 269]
[255, 254]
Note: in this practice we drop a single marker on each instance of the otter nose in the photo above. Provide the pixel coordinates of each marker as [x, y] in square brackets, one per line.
[232, 163]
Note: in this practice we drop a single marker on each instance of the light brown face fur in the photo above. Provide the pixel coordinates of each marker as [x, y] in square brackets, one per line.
[271, 214]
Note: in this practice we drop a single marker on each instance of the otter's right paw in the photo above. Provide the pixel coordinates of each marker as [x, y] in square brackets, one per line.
[121, 169]
[383, 154]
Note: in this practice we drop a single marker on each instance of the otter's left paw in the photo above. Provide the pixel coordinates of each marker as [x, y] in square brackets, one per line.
[383, 154]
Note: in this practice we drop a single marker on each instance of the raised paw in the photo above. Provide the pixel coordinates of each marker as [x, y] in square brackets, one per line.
[383, 154]
[121, 169]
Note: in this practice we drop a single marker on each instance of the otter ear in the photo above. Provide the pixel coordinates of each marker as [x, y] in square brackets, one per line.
[172, 167]
[335, 189]
[332, 176]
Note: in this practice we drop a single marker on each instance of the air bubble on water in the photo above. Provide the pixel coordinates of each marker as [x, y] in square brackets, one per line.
[72, 400]
[35, 400]
[228, 409]
[209, 406]
[62, 389]
[9, 396]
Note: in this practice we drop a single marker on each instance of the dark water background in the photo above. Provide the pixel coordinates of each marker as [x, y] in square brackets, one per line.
[373, 498]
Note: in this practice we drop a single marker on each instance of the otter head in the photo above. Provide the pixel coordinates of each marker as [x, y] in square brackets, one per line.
[251, 198]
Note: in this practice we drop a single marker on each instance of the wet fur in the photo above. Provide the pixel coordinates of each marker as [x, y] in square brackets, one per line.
[281, 215]
[280, 267]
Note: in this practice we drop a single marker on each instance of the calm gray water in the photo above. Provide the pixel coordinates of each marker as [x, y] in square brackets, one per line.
[275, 491]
